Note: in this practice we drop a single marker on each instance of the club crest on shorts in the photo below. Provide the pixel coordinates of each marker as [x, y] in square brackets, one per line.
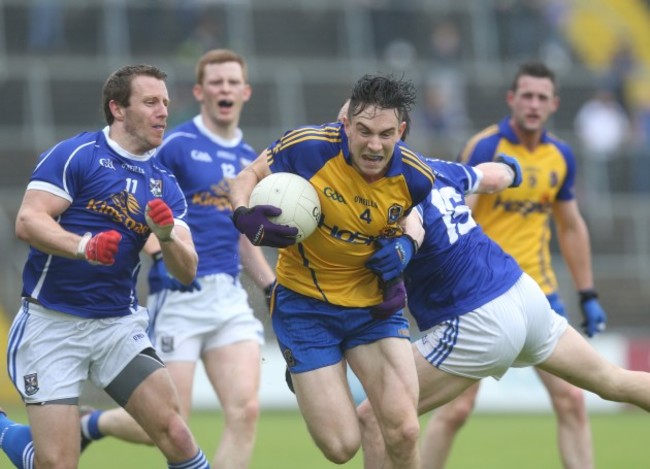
[31, 383]
[288, 357]
[167, 343]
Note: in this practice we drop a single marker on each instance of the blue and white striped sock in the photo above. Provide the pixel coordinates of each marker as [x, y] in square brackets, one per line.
[197, 462]
[16, 442]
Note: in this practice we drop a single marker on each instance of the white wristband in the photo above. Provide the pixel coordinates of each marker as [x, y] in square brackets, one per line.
[81, 247]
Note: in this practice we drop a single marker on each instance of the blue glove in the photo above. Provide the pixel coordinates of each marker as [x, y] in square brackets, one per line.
[513, 164]
[593, 313]
[390, 260]
[160, 279]
[255, 224]
[394, 299]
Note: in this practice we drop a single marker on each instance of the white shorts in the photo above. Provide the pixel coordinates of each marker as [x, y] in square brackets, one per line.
[185, 324]
[517, 329]
[52, 354]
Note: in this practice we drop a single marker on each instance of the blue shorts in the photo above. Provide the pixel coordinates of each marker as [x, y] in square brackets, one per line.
[313, 334]
[556, 304]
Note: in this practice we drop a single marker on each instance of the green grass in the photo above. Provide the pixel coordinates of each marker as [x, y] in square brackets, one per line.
[499, 441]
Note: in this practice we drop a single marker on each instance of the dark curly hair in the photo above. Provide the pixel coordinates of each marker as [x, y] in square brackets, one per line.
[384, 92]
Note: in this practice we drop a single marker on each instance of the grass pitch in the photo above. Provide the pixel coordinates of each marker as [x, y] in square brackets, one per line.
[499, 441]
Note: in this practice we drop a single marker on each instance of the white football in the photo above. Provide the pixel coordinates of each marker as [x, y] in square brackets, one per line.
[295, 196]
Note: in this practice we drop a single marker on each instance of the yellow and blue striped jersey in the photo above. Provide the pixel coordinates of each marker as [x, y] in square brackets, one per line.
[518, 219]
[330, 264]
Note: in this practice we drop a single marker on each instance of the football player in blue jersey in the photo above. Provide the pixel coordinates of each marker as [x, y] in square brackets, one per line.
[480, 313]
[338, 298]
[519, 220]
[91, 204]
[211, 319]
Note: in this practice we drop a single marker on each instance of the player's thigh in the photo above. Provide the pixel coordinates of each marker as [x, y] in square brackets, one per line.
[234, 371]
[326, 403]
[182, 375]
[387, 372]
[60, 445]
[576, 361]
[438, 387]
[154, 401]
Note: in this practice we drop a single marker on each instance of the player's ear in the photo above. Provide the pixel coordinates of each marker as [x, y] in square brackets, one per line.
[401, 129]
[197, 91]
[116, 110]
[248, 92]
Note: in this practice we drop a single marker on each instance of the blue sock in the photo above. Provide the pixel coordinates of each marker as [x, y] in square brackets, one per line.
[89, 425]
[197, 462]
[16, 442]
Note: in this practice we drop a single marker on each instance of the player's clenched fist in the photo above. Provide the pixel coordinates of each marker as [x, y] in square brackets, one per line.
[160, 219]
[99, 249]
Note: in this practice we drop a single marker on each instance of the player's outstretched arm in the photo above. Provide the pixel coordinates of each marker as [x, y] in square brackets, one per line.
[499, 174]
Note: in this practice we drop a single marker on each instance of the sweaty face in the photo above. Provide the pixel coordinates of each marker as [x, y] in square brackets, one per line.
[532, 103]
[372, 136]
[222, 95]
[145, 118]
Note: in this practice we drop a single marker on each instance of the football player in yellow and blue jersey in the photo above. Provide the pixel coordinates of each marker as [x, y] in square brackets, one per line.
[338, 297]
[519, 221]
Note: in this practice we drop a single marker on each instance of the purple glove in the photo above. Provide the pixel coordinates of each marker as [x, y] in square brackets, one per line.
[394, 299]
[255, 224]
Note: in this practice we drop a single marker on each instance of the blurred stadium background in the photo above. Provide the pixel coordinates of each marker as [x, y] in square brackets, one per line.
[304, 55]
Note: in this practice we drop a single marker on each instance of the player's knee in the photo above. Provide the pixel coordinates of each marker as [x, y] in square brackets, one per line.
[340, 450]
[403, 440]
[62, 459]
[245, 413]
[178, 434]
[456, 415]
[570, 400]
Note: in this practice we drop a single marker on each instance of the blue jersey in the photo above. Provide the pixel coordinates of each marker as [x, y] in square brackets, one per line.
[330, 265]
[203, 163]
[457, 268]
[108, 189]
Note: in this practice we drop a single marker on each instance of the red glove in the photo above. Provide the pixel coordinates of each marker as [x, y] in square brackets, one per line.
[101, 248]
[160, 219]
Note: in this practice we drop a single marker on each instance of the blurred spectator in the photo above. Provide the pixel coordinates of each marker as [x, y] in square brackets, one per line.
[555, 50]
[440, 122]
[520, 27]
[640, 166]
[601, 126]
[622, 66]
[45, 28]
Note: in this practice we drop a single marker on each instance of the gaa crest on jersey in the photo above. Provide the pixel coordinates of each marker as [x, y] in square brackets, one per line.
[155, 186]
[31, 384]
[167, 343]
[395, 213]
[107, 163]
